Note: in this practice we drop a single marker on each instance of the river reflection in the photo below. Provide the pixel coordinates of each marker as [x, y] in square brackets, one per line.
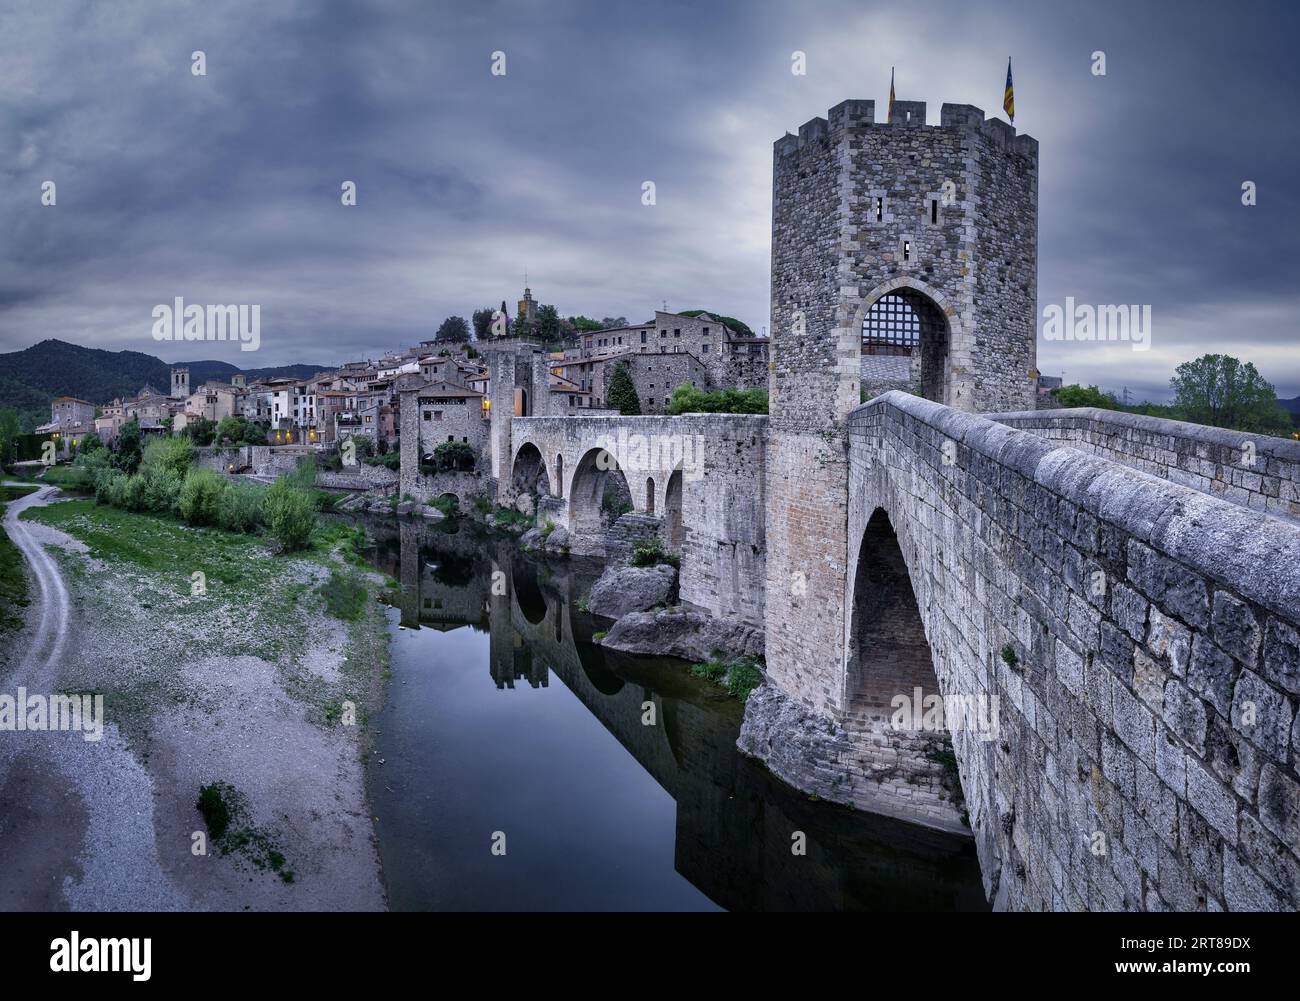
[612, 781]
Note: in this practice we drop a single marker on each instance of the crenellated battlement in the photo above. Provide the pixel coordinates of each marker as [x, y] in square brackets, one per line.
[854, 114]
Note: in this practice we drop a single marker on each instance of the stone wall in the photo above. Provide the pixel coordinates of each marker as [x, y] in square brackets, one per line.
[232, 459]
[1254, 471]
[631, 530]
[1147, 748]
[362, 476]
[655, 376]
[465, 485]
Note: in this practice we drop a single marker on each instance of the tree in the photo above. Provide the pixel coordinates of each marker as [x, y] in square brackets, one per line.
[621, 393]
[200, 430]
[240, 431]
[584, 323]
[1221, 391]
[549, 327]
[454, 330]
[454, 455]
[290, 514]
[741, 328]
[482, 320]
[8, 433]
[1086, 396]
[613, 321]
[89, 443]
[127, 447]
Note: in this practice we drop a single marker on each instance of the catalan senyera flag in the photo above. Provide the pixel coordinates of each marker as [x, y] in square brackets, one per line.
[889, 119]
[1009, 97]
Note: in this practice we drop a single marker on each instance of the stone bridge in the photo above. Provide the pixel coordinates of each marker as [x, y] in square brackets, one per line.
[1139, 637]
[697, 481]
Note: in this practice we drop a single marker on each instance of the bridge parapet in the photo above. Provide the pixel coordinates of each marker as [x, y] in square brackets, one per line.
[1255, 471]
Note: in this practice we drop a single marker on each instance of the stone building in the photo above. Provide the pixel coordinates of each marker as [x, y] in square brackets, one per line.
[447, 412]
[67, 411]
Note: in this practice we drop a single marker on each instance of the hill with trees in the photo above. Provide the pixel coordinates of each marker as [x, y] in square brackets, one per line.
[32, 377]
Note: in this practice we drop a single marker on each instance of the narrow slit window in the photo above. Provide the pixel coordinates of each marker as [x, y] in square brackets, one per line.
[880, 208]
[934, 211]
[907, 250]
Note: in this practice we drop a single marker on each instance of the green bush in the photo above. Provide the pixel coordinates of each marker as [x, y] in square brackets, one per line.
[304, 476]
[651, 553]
[200, 497]
[454, 455]
[345, 597]
[216, 811]
[686, 399]
[290, 513]
[109, 486]
[133, 494]
[161, 488]
[241, 507]
[391, 460]
[739, 676]
[175, 455]
[84, 473]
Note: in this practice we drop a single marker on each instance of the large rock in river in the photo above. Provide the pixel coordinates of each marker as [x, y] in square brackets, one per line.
[631, 589]
[685, 633]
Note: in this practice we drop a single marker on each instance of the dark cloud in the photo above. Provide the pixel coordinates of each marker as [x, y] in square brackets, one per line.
[225, 188]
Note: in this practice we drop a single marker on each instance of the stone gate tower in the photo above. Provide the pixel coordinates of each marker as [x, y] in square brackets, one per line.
[925, 238]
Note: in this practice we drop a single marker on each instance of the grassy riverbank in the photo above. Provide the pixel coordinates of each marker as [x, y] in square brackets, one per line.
[227, 663]
[172, 593]
[13, 580]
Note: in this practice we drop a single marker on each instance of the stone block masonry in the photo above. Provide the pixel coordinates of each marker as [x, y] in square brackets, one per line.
[1148, 747]
[947, 214]
[1254, 471]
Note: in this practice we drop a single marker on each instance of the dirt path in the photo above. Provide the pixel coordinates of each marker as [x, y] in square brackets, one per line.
[49, 634]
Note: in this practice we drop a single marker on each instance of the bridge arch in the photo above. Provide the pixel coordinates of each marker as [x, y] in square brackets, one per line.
[528, 471]
[888, 653]
[598, 483]
[673, 532]
[913, 325]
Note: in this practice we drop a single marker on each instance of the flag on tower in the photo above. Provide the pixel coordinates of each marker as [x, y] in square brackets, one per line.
[889, 119]
[1009, 97]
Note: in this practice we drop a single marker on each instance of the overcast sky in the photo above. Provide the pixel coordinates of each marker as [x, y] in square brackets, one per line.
[225, 188]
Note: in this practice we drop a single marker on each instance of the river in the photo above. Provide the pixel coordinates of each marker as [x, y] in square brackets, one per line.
[519, 766]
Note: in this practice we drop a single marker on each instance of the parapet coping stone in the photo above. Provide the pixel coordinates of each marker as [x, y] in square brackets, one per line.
[1253, 553]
